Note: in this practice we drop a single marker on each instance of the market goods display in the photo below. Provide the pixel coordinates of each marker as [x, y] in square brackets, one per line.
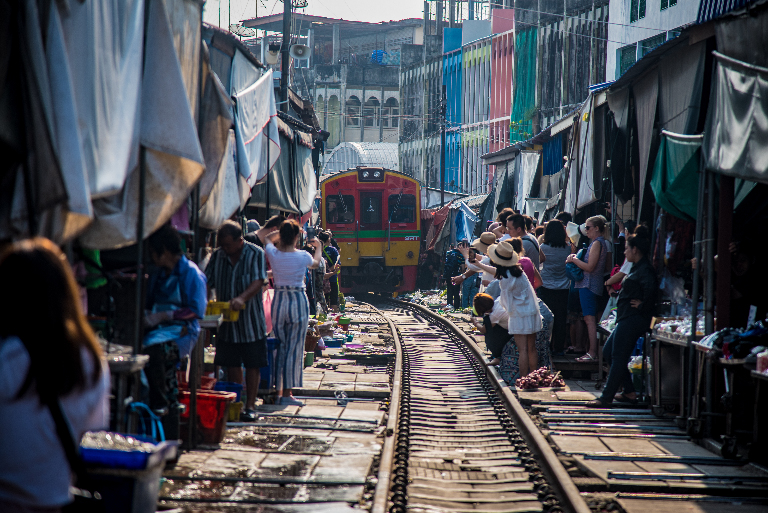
[540, 378]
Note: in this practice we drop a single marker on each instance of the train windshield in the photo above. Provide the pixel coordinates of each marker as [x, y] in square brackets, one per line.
[402, 208]
[340, 209]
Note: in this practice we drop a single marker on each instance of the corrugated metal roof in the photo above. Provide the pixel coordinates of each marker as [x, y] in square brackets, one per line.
[711, 9]
[349, 155]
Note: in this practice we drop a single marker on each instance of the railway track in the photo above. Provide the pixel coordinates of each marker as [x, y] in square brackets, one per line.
[456, 441]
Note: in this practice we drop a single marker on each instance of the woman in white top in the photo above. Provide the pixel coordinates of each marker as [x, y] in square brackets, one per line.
[519, 300]
[48, 353]
[290, 307]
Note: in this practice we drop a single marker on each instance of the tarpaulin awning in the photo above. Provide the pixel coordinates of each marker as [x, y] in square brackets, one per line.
[292, 184]
[173, 158]
[255, 125]
[587, 192]
[437, 226]
[646, 91]
[465, 222]
[736, 134]
[676, 174]
[527, 164]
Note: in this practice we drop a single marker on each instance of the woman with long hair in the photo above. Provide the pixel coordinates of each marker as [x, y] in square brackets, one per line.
[48, 353]
[290, 308]
[634, 311]
[555, 283]
[590, 287]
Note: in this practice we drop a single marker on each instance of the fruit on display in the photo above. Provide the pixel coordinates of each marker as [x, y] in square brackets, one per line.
[540, 378]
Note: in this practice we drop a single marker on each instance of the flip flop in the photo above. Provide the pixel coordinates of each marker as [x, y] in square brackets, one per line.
[625, 399]
[597, 403]
[586, 358]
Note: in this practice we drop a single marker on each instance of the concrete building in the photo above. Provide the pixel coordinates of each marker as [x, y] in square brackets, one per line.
[352, 75]
[630, 35]
[421, 80]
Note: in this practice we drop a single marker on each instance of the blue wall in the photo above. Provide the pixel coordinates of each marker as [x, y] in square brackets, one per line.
[452, 75]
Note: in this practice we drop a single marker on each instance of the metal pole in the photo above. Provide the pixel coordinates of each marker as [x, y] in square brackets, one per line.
[285, 59]
[139, 310]
[695, 292]
[710, 291]
[442, 146]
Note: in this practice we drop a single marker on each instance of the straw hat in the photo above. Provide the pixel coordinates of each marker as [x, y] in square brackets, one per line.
[503, 254]
[485, 240]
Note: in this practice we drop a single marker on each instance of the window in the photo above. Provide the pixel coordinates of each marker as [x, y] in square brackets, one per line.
[370, 211]
[402, 208]
[626, 58]
[667, 3]
[353, 111]
[390, 113]
[340, 209]
[371, 111]
[646, 45]
[636, 10]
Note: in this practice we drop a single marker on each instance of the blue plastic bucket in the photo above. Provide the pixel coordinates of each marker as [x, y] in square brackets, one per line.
[228, 386]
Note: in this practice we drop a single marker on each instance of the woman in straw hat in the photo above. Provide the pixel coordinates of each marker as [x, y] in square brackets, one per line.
[519, 300]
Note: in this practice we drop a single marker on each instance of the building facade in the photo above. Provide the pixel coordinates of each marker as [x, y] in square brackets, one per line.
[630, 37]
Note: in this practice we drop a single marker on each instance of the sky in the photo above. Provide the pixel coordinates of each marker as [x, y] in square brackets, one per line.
[357, 10]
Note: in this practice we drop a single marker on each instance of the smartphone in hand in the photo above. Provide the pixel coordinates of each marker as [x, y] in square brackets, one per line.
[472, 255]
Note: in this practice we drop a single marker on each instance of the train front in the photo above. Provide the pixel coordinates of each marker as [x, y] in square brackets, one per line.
[374, 216]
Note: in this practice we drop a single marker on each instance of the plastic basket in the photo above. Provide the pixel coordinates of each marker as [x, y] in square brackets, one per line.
[211, 414]
[133, 460]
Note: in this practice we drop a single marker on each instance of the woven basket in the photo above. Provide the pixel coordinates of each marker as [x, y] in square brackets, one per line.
[310, 342]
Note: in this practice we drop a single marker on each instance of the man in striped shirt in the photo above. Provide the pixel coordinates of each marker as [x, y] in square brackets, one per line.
[237, 271]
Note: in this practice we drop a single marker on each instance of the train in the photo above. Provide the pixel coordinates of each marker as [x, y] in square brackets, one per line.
[374, 215]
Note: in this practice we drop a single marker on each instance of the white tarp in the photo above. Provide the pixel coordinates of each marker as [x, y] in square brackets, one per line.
[104, 42]
[586, 194]
[255, 111]
[224, 197]
[527, 164]
[174, 159]
[78, 213]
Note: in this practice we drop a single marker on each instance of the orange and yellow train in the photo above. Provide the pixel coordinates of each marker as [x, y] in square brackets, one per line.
[374, 214]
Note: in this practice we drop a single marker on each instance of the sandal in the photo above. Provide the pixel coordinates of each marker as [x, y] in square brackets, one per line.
[625, 399]
[586, 358]
[571, 350]
[597, 403]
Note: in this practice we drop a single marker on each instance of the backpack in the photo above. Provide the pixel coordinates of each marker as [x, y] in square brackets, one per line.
[572, 271]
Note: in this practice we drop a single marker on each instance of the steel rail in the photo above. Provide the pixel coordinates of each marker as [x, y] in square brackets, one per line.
[557, 476]
[386, 461]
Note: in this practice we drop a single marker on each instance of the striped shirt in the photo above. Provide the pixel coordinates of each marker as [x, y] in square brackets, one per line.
[231, 281]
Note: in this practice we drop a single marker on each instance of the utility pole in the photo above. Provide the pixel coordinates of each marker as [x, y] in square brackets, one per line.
[285, 64]
[443, 105]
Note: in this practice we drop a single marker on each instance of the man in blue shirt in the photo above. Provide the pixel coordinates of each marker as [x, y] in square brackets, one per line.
[176, 299]
[453, 262]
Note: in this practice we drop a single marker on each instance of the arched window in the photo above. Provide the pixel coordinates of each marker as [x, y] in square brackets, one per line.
[353, 111]
[371, 111]
[391, 113]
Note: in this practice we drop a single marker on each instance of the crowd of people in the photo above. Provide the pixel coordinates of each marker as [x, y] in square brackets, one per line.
[543, 290]
[55, 381]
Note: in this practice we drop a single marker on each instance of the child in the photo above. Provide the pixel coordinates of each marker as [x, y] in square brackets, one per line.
[494, 325]
[519, 300]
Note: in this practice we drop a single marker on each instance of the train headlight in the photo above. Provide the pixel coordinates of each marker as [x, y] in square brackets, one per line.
[409, 254]
[365, 174]
[377, 174]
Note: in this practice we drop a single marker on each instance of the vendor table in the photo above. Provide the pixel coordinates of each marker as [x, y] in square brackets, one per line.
[195, 371]
[122, 368]
[759, 449]
[602, 338]
[670, 378]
